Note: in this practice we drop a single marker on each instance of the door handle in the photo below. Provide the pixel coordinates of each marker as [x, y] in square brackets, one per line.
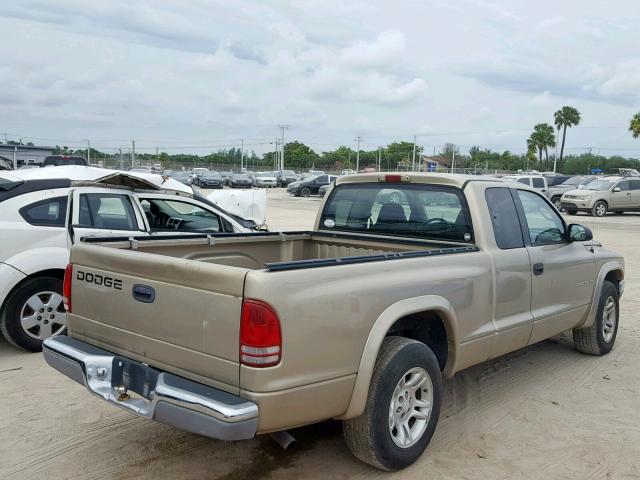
[143, 293]
[538, 268]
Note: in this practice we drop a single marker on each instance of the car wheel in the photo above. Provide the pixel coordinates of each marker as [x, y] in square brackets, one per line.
[403, 406]
[32, 312]
[305, 191]
[556, 203]
[599, 338]
[571, 211]
[599, 209]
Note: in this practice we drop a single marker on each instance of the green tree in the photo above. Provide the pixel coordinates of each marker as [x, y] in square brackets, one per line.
[564, 118]
[541, 139]
[299, 155]
[634, 125]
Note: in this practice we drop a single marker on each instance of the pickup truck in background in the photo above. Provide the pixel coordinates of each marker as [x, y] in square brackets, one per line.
[406, 278]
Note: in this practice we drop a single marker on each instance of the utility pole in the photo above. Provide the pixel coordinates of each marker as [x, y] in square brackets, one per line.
[283, 128]
[379, 158]
[121, 159]
[276, 156]
[133, 153]
[241, 153]
[15, 160]
[453, 161]
[413, 164]
[89, 152]
[358, 138]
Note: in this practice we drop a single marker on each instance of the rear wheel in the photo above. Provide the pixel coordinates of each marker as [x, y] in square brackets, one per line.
[556, 203]
[402, 408]
[571, 211]
[32, 312]
[305, 192]
[599, 209]
[599, 338]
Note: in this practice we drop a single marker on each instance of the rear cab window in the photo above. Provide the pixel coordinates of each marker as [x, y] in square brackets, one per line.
[425, 211]
[504, 218]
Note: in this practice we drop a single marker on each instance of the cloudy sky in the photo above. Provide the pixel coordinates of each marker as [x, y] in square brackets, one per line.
[191, 75]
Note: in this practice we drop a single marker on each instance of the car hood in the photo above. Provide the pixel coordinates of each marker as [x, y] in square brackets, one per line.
[579, 192]
[248, 204]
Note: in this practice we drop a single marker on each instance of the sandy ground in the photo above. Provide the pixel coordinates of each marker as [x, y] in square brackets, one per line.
[544, 412]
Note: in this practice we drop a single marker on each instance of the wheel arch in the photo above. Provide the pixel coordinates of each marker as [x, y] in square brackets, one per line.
[410, 315]
[612, 271]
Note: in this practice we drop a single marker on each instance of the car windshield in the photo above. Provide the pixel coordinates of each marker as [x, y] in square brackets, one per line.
[180, 175]
[264, 174]
[311, 178]
[598, 185]
[209, 174]
[574, 181]
[422, 211]
[288, 172]
[241, 176]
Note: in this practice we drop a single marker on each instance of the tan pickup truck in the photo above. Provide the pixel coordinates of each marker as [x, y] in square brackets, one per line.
[406, 278]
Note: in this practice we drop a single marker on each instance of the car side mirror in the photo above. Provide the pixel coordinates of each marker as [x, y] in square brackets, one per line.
[579, 233]
[616, 189]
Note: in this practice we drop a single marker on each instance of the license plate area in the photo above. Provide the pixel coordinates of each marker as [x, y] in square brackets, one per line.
[134, 376]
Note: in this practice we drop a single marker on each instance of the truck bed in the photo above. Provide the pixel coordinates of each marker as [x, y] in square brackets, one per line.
[188, 326]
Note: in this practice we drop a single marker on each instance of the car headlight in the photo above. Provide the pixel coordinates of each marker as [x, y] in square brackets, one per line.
[586, 197]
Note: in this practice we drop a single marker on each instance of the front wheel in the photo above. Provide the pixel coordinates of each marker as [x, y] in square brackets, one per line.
[305, 192]
[33, 312]
[599, 209]
[556, 203]
[402, 408]
[599, 338]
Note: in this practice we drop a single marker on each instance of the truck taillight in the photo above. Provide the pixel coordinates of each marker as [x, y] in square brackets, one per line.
[260, 337]
[66, 287]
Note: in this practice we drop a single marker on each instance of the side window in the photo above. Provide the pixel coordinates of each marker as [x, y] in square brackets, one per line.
[504, 218]
[322, 179]
[46, 213]
[524, 180]
[543, 223]
[106, 210]
[181, 216]
[634, 185]
[624, 186]
[538, 182]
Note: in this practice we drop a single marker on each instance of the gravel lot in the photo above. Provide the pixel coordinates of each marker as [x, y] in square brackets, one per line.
[542, 412]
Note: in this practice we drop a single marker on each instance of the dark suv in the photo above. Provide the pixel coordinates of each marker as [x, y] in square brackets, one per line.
[60, 160]
[310, 185]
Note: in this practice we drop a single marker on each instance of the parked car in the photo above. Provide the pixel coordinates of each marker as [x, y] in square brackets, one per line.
[602, 195]
[209, 180]
[310, 185]
[196, 171]
[348, 171]
[38, 228]
[226, 176]
[63, 160]
[358, 320]
[322, 191]
[240, 180]
[265, 179]
[285, 177]
[141, 169]
[538, 182]
[182, 176]
[555, 191]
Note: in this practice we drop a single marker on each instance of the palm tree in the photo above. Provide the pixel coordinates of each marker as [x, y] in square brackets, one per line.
[541, 139]
[634, 125]
[563, 118]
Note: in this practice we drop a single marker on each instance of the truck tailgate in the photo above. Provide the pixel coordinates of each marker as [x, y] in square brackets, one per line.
[178, 315]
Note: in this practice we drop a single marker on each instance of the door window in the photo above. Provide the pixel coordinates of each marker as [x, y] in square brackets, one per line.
[543, 223]
[504, 218]
[538, 182]
[106, 210]
[46, 213]
[634, 184]
[624, 186]
[181, 216]
[524, 180]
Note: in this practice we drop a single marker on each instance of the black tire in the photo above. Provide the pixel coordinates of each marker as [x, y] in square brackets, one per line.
[305, 191]
[369, 436]
[556, 203]
[10, 324]
[599, 209]
[571, 211]
[592, 340]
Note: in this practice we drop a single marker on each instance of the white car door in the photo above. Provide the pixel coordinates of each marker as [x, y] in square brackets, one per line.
[103, 212]
[168, 214]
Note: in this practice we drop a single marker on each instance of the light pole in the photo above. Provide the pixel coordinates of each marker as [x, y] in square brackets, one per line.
[88, 152]
[283, 128]
[413, 164]
[358, 138]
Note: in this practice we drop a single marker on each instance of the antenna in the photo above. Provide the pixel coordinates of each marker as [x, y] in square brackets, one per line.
[593, 228]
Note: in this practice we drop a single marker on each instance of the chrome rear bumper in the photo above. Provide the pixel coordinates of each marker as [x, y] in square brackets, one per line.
[165, 397]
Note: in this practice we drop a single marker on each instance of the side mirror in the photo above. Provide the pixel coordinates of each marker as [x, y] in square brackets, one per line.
[579, 233]
[616, 189]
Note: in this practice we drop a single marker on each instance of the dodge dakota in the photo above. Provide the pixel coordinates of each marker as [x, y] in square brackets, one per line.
[405, 279]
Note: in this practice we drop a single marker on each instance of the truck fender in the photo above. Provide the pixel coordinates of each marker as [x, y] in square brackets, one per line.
[28, 263]
[384, 322]
[608, 267]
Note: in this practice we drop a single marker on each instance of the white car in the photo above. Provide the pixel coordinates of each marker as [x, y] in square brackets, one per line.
[44, 211]
[265, 179]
